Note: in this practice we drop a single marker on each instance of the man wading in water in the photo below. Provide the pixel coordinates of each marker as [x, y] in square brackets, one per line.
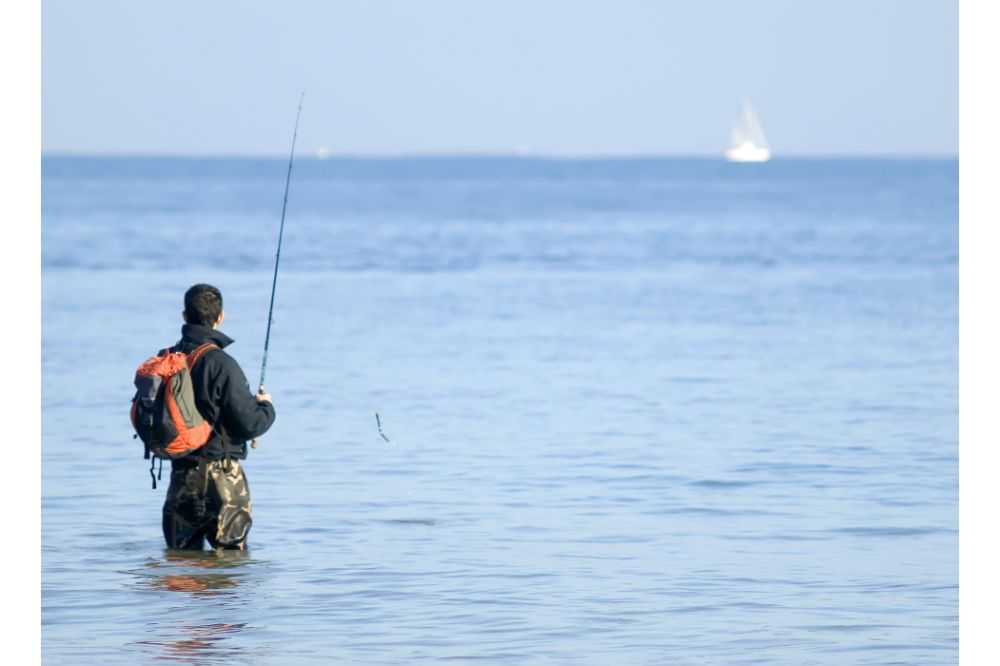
[208, 497]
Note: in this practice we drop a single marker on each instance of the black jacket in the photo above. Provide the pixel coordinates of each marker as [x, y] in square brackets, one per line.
[222, 395]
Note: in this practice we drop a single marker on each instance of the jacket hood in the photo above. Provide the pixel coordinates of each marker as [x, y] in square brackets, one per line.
[199, 334]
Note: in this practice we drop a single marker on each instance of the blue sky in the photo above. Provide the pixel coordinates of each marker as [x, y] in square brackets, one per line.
[557, 77]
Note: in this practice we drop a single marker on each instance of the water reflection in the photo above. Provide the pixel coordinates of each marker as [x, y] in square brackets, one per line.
[201, 628]
[204, 573]
[197, 644]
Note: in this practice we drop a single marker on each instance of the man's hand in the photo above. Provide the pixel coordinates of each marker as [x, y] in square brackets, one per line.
[261, 396]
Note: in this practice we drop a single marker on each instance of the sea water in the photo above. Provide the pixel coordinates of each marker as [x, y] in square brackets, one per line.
[639, 411]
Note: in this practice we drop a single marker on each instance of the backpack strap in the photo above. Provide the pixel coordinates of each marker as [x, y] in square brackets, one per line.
[152, 463]
[193, 357]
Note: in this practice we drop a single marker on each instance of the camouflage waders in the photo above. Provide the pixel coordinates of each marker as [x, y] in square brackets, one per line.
[207, 502]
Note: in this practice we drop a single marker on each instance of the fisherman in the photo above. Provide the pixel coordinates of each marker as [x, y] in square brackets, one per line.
[208, 497]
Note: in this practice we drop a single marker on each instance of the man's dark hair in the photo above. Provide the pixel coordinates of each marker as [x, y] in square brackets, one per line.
[203, 304]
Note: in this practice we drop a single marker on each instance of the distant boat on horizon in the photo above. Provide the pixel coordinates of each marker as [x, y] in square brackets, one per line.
[747, 142]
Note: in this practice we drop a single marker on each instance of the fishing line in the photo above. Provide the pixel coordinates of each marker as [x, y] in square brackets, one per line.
[378, 422]
[277, 257]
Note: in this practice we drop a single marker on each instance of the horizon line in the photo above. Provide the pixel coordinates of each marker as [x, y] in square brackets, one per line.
[318, 156]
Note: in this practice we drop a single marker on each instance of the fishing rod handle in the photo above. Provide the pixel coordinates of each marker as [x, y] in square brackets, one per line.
[260, 389]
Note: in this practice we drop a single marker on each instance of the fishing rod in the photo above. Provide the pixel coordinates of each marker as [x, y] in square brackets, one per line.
[277, 257]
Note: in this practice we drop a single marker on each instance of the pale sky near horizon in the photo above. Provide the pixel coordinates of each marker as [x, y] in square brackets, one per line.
[556, 77]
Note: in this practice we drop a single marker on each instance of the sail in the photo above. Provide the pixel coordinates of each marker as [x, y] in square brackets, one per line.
[747, 141]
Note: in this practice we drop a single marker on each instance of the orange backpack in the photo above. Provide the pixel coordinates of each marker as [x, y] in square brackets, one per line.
[163, 412]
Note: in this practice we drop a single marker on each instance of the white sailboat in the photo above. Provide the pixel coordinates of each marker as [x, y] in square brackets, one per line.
[747, 142]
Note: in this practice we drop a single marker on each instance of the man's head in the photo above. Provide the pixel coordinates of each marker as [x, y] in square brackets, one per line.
[203, 305]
